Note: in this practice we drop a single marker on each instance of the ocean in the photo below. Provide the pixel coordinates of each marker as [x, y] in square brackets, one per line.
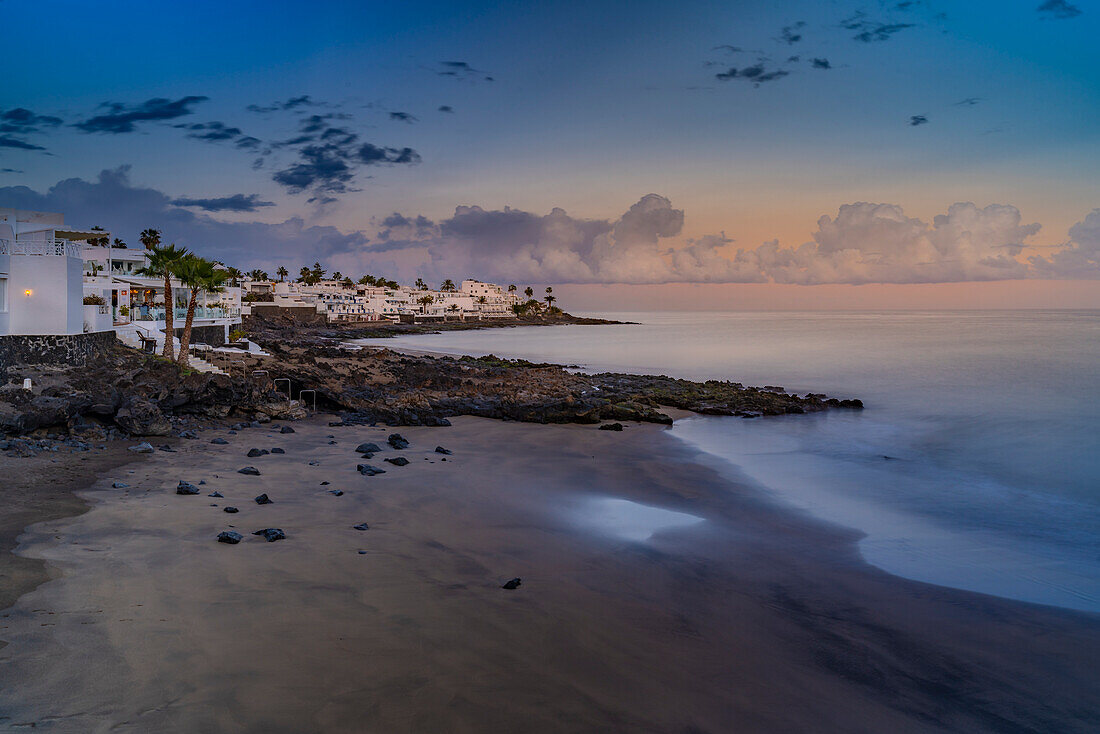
[975, 463]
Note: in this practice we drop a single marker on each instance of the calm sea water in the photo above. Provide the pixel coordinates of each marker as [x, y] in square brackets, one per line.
[990, 422]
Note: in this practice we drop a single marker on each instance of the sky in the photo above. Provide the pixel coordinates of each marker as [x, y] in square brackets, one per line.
[610, 147]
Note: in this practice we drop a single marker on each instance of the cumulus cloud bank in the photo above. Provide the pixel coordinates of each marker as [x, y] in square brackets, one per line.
[862, 243]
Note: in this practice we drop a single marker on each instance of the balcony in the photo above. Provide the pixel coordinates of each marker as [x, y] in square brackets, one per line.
[45, 248]
[179, 315]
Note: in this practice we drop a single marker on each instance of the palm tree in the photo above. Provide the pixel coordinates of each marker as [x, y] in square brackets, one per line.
[150, 238]
[549, 298]
[512, 288]
[119, 244]
[368, 280]
[482, 300]
[424, 302]
[162, 263]
[282, 273]
[234, 275]
[337, 275]
[348, 282]
[303, 275]
[256, 274]
[448, 286]
[198, 274]
[421, 285]
[98, 241]
[453, 308]
[317, 273]
[529, 292]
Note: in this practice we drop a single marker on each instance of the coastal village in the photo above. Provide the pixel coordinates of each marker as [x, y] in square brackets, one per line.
[59, 279]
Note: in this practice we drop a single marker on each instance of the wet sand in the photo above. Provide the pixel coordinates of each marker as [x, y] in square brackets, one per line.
[756, 620]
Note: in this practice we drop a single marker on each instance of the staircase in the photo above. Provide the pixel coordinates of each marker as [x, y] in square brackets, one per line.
[131, 334]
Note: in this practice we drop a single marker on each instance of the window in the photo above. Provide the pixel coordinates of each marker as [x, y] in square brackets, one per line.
[3, 295]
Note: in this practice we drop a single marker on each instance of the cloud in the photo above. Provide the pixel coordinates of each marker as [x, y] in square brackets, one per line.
[915, 120]
[862, 243]
[113, 201]
[1081, 256]
[446, 108]
[291, 103]
[10, 170]
[22, 121]
[1059, 9]
[403, 117]
[234, 203]
[211, 131]
[869, 30]
[756, 74]
[789, 34]
[462, 70]
[6, 141]
[968, 102]
[330, 156]
[821, 64]
[121, 119]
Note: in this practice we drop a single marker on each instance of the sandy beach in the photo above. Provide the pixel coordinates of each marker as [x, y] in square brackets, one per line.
[732, 615]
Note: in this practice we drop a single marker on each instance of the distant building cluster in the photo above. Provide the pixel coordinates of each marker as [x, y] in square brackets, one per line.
[343, 300]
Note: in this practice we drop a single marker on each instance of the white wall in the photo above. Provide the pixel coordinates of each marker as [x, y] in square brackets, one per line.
[55, 304]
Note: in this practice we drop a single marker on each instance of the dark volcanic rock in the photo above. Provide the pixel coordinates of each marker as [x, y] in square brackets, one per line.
[250, 470]
[119, 485]
[286, 429]
[513, 584]
[186, 488]
[142, 448]
[229, 536]
[219, 441]
[142, 418]
[368, 470]
[611, 427]
[368, 448]
[215, 494]
[337, 492]
[189, 434]
[278, 451]
[253, 453]
[271, 534]
[397, 441]
[398, 461]
[441, 450]
[263, 499]
[231, 510]
[361, 526]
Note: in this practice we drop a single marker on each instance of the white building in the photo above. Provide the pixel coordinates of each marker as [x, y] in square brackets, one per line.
[41, 268]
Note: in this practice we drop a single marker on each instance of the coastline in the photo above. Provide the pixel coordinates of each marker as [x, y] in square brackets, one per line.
[758, 619]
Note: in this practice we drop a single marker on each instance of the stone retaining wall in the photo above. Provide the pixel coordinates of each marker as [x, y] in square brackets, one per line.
[59, 349]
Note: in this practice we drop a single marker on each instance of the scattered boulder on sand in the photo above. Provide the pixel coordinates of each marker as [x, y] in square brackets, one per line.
[513, 584]
[142, 448]
[250, 470]
[253, 453]
[361, 526]
[314, 463]
[215, 494]
[368, 471]
[189, 434]
[286, 429]
[337, 492]
[441, 450]
[278, 451]
[368, 448]
[168, 448]
[271, 534]
[397, 461]
[231, 509]
[611, 427]
[397, 441]
[219, 441]
[186, 488]
[263, 499]
[228, 536]
[324, 484]
[119, 485]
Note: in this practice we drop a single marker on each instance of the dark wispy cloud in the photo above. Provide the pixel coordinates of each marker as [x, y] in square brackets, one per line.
[403, 117]
[22, 121]
[120, 118]
[790, 34]
[446, 108]
[218, 132]
[756, 74]
[10, 170]
[462, 70]
[818, 63]
[6, 141]
[869, 30]
[329, 156]
[968, 102]
[291, 103]
[915, 120]
[234, 203]
[1058, 9]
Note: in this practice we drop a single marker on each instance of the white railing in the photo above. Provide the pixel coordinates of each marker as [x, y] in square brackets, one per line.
[52, 247]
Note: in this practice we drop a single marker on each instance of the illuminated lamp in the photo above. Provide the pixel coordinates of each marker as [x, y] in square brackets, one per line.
[27, 292]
